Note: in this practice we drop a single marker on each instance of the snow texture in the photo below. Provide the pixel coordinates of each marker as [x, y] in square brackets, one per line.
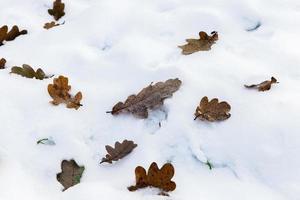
[110, 49]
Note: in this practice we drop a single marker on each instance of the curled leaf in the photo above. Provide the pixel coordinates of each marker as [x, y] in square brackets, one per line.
[70, 175]
[212, 110]
[203, 44]
[263, 86]
[28, 72]
[120, 151]
[58, 10]
[150, 97]
[2, 63]
[11, 35]
[159, 178]
[59, 91]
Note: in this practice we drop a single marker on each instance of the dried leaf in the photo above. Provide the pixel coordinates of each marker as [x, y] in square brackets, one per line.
[58, 10]
[70, 175]
[28, 72]
[11, 35]
[212, 110]
[120, 151]
[263, 86]
[150, 97]
[50, 25]
[59, 91]
[203, 44]
[2, 63]
[3, 33]
[159, 178]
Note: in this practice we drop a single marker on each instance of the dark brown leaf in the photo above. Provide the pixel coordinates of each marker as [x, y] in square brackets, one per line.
[212, 110]
[2, 63]
[59, 91]
[159, 178]
[28, 72]
[263, 86]
[150, 97]
[11, 35]
[120, 151]
[58, 10]
[203, 44]
[70, 175]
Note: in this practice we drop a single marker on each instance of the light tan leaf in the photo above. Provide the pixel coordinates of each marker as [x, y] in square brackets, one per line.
[59, 91]
[203, 44]
[212, 110]
[150, 97]
[50, 25]
[263, 86]
[120, 151]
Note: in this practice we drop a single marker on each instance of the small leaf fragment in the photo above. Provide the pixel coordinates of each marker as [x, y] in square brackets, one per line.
[159, 178]
[212, 110]
[46, 141]
[71, 173]
[263, 86]
[2, 63]
[150, 97]
[120, 151]
[58, 10]
[204, 43]
[59, 91]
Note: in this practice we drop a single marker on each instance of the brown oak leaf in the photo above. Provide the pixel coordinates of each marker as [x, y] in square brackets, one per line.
[150, 97]
[11, 35]
[203, 44]
[50, 25]
[212, 110]
[2, 63]
[28, 72]
[58, 10]
[70, 175]
[59, 91]
[120, 151]
[159, 178]
[263, 86]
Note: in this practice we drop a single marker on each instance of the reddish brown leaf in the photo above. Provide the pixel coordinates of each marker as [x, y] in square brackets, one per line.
[11, 35]
[59, 91]
[2, 63]
[159, 178]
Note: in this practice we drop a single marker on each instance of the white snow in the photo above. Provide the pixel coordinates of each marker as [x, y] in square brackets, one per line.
[110, 49]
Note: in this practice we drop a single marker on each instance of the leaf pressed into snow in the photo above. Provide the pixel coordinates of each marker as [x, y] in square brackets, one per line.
[70, 175]
[120, 151]
[263, 86]
[59, 91]
[58, 10]
[28, 72]
[204, 43]
[50, 25]
[2, 63]
[46, 141]
[6, 35]
[159, 178]
[212, 110]
[150, 97]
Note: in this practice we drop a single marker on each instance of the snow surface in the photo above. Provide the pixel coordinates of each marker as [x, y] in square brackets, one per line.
[110, 49]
